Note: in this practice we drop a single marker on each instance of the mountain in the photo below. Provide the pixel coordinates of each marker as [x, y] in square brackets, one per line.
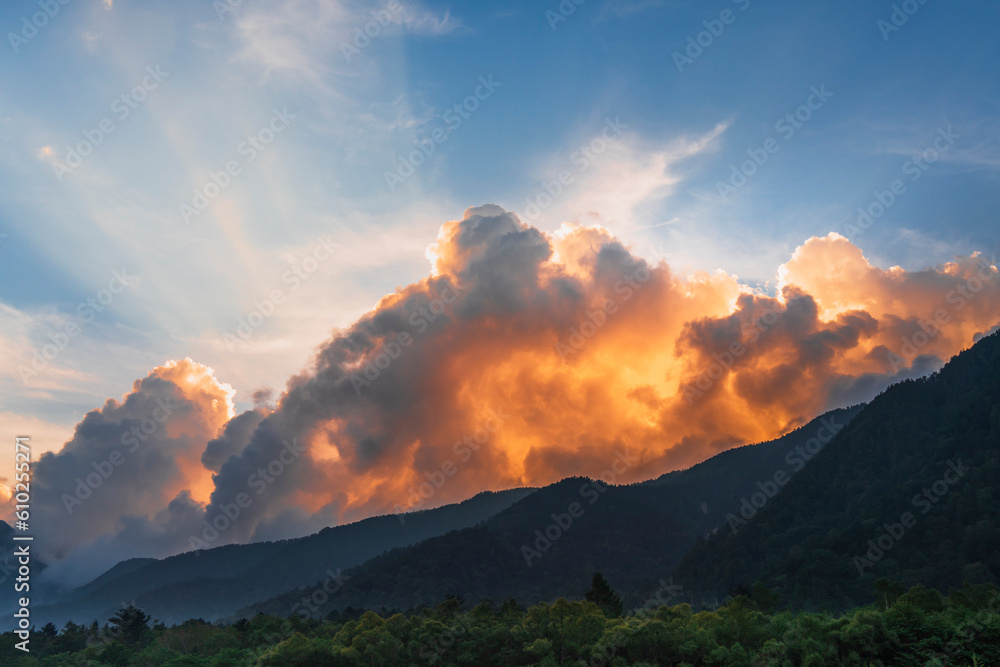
[213, 583]
[550, 543]
[9, 564]
[909, 491]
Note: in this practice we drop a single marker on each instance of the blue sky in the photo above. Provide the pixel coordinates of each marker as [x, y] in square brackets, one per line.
[344, 121]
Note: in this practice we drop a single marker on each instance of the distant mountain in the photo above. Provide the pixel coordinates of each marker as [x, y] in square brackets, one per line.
[119, 573]
[213, 583]
[910, 491]
[9, 564]
[550, 543]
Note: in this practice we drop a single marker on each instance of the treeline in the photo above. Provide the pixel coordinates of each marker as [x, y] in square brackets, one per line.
[919, 627]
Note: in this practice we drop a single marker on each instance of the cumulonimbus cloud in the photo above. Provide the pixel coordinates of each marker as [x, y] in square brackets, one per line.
[524, 357]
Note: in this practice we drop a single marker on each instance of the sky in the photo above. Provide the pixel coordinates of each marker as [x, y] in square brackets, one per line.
[256, 186]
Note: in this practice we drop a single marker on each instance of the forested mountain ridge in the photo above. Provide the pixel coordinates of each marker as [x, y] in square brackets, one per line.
[215, 582]
[553, 541]
[910, 490]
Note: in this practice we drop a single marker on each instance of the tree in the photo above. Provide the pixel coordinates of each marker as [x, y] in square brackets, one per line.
[241, 626]
[73, 638]
[44, 639]
[767, 601]
[740, 589]
[510, 607]
[887, 592]
[604, 596]
[129, 625]
[117, 654]
[450, 607]
[301, 651]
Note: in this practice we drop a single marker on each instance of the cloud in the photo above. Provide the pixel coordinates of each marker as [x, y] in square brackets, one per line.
[622, 9]
[309, 40]
[293, 39]
[616, 177]
[522, 358]
[132, 467]
[420, 21]
[589, 349]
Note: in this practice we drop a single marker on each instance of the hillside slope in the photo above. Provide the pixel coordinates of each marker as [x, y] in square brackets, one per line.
[216, 582]
[550, 543]
[910, 490]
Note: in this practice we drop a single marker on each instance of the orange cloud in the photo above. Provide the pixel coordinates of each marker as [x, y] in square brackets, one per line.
[526, 357]
[590, 351]
[129, 460]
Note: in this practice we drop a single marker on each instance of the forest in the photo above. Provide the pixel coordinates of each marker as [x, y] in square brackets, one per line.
[750, 629]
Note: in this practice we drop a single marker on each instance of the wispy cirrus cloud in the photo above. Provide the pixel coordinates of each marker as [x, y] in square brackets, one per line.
[619, 179]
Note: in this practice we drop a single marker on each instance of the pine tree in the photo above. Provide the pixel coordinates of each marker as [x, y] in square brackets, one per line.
[604, 596]
[129, 625]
